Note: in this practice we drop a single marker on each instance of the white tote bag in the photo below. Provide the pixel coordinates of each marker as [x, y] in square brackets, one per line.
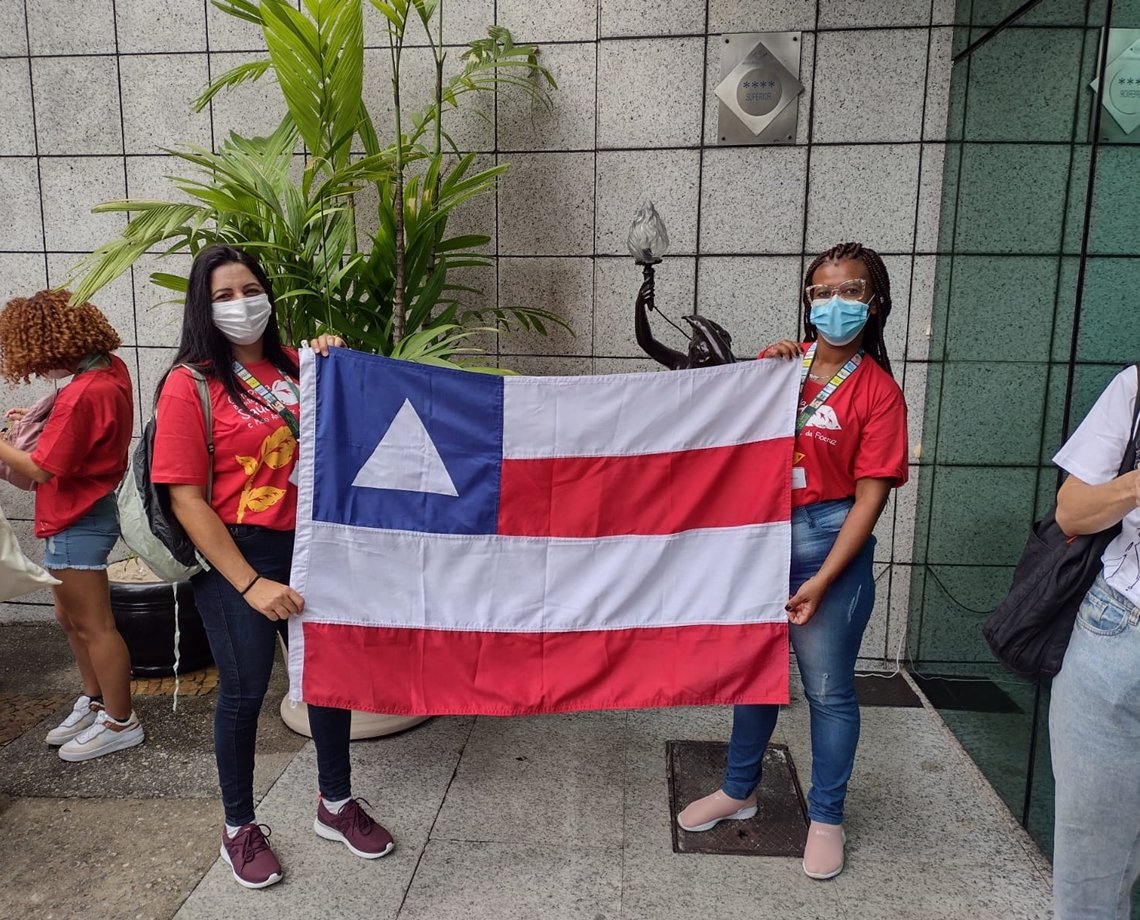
[18, 574]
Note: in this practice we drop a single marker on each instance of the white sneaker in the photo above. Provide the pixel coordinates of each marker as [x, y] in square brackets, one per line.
[82, 715]
[102, 737]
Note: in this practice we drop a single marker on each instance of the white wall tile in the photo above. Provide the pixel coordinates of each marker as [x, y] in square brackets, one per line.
[938, 84]
[71, 26]
[752, 199]
[526, 124]
[617, 284]
[649, 92]
[17, 130]
[21, 228]
[931, 181]
[77, 105]
[228, 33]
[628, 178]
[21, 275]
[563, 286]
[864, 14]
[865, 193]
[651, 17]
[546, 366]
[147, 177]
[869, 85]
[755, 298]
[72, 186]
[157, 92]
[158, 311]
[115, 300]
[153, 363]
[546, 205]
[626, 366]
[770, 16]
[252, 109]
[13, 34]
[567, 20]
[161, 25]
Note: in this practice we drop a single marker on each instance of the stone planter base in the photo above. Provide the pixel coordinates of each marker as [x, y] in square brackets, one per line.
[364, 724]
[143, 608]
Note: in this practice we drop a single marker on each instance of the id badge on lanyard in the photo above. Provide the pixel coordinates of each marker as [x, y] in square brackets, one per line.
[807, 410]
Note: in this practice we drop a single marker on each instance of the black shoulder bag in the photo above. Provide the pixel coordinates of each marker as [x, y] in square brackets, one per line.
[1029, 632]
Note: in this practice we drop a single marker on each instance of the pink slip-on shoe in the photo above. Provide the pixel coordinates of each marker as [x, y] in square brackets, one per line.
[823, 855]
[705, 814]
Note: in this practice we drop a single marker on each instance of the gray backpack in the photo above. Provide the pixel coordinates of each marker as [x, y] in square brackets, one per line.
[146, 522]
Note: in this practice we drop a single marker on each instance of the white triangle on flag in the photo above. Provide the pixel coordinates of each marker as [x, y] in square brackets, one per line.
[406, 458]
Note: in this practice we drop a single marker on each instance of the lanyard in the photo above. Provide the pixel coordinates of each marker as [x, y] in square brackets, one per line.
[269, 397]
[807, 411]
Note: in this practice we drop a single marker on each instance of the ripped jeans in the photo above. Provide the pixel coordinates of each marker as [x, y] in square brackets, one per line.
[826, 648]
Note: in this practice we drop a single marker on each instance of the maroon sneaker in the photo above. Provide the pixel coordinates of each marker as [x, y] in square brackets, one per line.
[249, 856]
[353, 827]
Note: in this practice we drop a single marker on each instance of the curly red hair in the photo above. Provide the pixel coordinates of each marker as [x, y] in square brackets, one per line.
[43, 333]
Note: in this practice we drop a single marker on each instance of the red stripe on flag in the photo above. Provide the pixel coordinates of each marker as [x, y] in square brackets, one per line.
[647, 494]
[440, 672]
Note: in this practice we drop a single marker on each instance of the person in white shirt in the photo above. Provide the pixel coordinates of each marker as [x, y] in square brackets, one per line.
[1094, 713]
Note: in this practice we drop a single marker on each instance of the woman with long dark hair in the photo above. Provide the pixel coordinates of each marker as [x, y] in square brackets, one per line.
[850, 451]
[245, 533]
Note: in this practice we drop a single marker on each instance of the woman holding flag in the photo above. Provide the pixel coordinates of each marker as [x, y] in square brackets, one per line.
[245, 532]
[850, 451]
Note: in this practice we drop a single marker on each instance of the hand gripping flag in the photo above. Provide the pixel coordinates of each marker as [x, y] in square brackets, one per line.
[468, 543]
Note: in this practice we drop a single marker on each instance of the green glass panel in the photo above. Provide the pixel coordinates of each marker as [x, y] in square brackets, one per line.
[957, 600]
[1116, 202]
[1044, 65]
[1110, 310]
[980, 515]
[1011, 198]
[991, 413]
[995, 301]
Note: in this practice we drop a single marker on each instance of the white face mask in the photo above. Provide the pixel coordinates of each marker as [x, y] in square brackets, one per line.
[242, 321]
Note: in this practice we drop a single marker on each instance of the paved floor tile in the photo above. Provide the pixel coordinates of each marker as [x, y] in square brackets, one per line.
[515, 881]
[102, 859]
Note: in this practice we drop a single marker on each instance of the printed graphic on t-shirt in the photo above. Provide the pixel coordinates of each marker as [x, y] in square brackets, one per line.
[277, 451]
[824, 417]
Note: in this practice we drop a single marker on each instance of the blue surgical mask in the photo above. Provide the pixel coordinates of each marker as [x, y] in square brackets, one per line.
[839, 321]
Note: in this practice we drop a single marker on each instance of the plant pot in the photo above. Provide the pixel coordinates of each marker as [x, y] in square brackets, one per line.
[143, 608]
[364, 724]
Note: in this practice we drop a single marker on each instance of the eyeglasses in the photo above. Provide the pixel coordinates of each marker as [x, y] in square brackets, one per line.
[854, 289]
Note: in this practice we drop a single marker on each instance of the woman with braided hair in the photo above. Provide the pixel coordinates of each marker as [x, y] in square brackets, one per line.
[850, 451]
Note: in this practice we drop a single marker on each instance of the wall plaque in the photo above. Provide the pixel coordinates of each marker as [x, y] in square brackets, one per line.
[759, 88]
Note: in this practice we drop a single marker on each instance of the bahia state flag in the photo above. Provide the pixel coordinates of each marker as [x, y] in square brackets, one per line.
[468, 543]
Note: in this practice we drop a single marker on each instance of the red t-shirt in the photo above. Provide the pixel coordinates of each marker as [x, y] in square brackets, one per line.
[859, 433]
[254, 450]
[83, 445]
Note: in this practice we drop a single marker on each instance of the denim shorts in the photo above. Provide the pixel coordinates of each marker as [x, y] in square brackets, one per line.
[87, 543]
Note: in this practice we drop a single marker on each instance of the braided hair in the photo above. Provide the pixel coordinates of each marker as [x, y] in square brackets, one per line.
[881, 284]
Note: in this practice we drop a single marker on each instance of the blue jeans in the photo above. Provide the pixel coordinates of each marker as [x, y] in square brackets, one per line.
[1094, 733]
[244, 644]
[826, 648]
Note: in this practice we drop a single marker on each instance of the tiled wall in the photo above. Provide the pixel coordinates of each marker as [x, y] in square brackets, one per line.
[93, 89]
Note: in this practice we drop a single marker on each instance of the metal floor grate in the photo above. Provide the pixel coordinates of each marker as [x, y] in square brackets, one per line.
[696, 768]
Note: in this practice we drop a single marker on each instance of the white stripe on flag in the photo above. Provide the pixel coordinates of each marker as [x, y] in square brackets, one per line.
[649, 413]
[723, 576]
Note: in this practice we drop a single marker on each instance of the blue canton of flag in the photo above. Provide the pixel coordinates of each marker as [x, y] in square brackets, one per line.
[424, 455]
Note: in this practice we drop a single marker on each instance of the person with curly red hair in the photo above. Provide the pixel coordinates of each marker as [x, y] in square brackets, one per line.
[77, 462]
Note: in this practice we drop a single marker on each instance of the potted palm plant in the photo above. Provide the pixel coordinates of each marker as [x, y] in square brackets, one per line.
[391, 290]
